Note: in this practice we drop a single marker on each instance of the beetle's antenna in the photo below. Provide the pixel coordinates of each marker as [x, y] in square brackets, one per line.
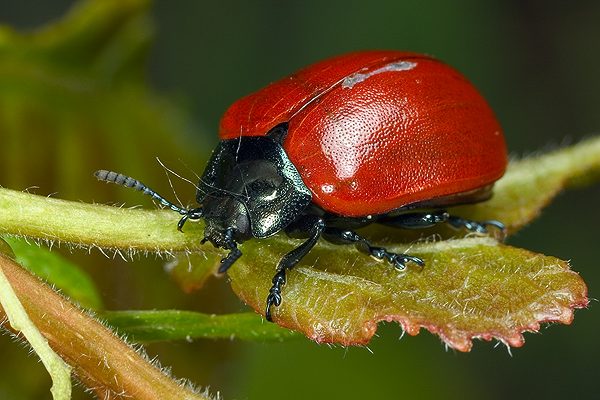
[179, 176]
[201, 181]
[191, 170]
[237, 196]
[167, 170]
[127, 181]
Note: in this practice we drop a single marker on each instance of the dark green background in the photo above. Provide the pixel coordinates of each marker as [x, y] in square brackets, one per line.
[537, 63]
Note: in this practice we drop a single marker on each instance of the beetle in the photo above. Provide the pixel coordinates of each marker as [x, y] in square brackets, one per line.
[368, 137]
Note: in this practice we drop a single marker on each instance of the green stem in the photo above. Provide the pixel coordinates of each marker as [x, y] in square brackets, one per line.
[90, 225]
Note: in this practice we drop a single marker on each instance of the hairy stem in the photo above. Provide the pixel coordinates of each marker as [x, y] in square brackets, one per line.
[102, 361]
[29, 215]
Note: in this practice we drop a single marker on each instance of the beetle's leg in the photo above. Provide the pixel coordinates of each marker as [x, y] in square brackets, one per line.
[419, 220]
[234, 252]
[344, 236]
[474, 226]
[227, 262]
[191, 214]
[416, 220]
[317, 225]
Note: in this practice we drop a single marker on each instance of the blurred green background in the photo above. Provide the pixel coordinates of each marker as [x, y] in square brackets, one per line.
[82, 104]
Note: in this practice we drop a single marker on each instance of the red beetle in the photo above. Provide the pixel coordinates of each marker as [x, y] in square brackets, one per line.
[370, 137]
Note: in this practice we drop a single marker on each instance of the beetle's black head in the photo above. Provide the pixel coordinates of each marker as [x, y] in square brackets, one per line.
[249, 189]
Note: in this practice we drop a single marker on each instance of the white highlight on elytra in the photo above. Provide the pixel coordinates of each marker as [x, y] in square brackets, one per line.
[358, 77]
[327, 188]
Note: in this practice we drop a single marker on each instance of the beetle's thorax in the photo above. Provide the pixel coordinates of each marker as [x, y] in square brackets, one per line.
[250, 189]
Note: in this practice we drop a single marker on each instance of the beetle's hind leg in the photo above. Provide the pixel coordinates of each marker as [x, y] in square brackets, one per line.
[420, 220]
[475, 226]
[345, 236]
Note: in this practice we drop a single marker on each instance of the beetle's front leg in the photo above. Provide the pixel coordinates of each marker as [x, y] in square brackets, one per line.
[316, 226]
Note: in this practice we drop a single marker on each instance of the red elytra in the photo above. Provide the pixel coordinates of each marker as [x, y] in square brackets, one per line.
[375, 131]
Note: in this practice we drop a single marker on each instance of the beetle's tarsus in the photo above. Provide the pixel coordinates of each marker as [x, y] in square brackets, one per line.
[182, 222]
[274, 298]
[399, 261]
[188, 214]
[475, 226]
[496, 224]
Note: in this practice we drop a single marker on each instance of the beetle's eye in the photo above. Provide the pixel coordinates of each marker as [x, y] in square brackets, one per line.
[261, 188]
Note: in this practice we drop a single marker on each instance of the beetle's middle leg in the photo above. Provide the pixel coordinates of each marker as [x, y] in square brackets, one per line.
[345, 236]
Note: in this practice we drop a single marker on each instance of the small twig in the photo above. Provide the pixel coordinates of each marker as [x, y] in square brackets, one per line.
[101, 360]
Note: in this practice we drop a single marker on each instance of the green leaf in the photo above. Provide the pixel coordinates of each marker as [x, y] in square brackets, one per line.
[74, 98]
[99, 39]
[149, 326]
[55, 269]
[469, 288]
[6, 249]
[192, 270]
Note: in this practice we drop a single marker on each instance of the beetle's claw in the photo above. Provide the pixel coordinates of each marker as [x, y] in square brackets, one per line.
[496, 224]
[182, 222]
[475, 226]
[400, 261]
[274, 298]
[416, 260]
